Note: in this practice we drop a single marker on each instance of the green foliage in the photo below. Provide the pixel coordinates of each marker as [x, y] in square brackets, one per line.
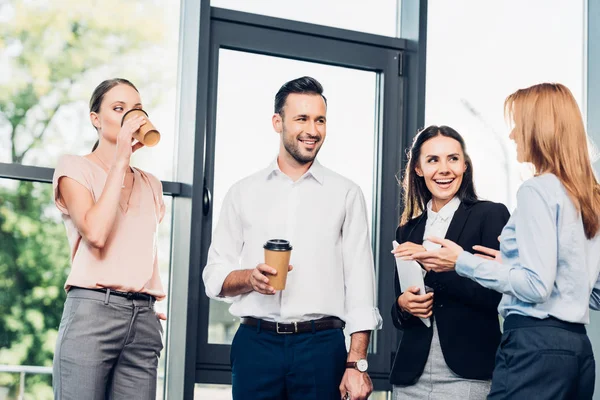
[34, 262]
[50, 48]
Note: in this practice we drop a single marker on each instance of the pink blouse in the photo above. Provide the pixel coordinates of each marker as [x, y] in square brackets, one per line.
[128, 262]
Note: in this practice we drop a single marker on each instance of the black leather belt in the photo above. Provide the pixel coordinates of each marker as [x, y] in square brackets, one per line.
[127, 295]
[296, 327]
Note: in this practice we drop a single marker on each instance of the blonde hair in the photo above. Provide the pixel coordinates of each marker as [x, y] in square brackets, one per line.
[549, 129]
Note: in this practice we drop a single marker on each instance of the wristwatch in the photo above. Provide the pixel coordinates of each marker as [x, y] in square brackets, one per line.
[361, 365]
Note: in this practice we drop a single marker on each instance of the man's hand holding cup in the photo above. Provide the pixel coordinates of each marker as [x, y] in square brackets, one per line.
[259, 278]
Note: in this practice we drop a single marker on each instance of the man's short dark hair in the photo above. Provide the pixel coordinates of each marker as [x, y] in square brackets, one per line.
[304, 85]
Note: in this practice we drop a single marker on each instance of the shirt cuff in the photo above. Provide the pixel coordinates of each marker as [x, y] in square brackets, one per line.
[363, 319]
[214, 283]
[466, 263]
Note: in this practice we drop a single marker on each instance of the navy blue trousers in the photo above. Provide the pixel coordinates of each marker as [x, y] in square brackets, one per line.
[543, 359]
[269, 366]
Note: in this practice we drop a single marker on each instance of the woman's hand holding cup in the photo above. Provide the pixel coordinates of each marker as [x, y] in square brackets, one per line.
[124, 146]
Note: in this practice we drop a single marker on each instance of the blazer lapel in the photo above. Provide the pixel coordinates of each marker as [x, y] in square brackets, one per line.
[458, 223]
[416, 233]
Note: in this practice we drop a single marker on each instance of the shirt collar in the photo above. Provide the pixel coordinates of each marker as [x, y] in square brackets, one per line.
[316, 170]
[272, 169]
[446, 212]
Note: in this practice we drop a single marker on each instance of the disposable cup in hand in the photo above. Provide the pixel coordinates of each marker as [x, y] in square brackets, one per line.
[277, 255]
[148, 135]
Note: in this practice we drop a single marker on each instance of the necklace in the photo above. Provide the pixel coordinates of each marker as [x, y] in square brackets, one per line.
[107, 169]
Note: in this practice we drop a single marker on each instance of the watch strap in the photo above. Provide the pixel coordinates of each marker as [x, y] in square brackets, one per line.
[360, 365]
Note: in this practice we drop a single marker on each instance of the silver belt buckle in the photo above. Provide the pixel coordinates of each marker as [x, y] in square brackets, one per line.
[286, 333]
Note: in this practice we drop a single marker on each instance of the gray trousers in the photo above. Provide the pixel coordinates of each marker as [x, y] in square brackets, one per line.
[107, 348]
[439, 382]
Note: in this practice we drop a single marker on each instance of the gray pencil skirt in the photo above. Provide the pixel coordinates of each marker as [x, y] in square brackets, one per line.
[439, 382]
[107, 348]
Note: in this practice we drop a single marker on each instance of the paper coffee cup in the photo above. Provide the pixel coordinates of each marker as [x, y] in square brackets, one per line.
[148, 135]
[277, 255]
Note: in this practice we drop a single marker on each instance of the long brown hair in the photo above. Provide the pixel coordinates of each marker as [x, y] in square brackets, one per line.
[415, 193]
[549, 129]
[100, 91]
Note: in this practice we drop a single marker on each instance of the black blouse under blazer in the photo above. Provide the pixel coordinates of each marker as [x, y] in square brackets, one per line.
[466, 313]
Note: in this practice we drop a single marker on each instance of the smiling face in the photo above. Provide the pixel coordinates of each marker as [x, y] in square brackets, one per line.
[303, 127]
[442, 166]
[115, 103]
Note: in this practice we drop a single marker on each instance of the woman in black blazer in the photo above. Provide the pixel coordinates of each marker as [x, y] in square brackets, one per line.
[454, 357]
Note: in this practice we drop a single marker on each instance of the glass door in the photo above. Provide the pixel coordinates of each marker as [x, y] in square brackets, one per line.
[246, 143]
[364, 90]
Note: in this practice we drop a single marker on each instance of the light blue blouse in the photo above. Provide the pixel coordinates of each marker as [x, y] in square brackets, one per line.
[549, 267]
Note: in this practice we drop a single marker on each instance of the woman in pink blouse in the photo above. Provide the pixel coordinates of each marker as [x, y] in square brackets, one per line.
[110, 338]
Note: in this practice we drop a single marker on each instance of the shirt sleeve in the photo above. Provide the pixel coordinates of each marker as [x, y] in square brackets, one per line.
[70, 167]
[225, 249]
[533, 247]
[157, 192]
[491, 221]
[359, 273]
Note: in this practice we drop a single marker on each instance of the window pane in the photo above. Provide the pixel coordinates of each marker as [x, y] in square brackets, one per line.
[380, 396]
[223, 392]
[248, 94]
[491, 49]
[34, 264]
[213, 392]
[53, 57]
[164, 265]
[375, 16]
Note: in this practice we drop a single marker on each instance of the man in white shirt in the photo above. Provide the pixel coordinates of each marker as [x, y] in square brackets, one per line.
[290, 343]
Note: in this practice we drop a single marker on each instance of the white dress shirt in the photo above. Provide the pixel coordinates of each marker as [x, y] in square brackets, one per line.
[323, 215]
[438, 222]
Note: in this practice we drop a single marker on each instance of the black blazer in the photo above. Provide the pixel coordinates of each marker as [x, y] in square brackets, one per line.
[465, 313]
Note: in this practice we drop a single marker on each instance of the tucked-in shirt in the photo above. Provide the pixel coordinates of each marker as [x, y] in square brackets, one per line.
[323, 215]
[128, 261]
[549, 268]
[438, 222]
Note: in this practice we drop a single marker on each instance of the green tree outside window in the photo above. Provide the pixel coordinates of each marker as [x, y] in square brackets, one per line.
[52, 54]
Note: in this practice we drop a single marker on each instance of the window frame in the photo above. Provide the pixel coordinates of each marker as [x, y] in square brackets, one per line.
[402, 80]
[392, 59]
